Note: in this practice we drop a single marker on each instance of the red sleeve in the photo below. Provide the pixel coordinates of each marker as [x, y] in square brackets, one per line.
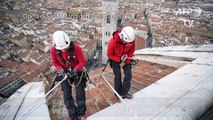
[110, 50]
[80, 57]
[130, 53]
[54, 59]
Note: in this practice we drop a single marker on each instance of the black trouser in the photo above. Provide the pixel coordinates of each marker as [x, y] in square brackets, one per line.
[122, 88]
[74, 110]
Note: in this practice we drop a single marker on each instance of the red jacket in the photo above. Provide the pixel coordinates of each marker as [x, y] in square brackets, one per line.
[116, 48]
[78, 58]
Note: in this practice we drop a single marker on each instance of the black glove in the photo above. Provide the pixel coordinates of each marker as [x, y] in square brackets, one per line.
[123, 58]
[73, 73]
[61, 72]
[60, 75]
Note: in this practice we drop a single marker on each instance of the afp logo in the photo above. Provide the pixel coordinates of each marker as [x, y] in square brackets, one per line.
[195, 12]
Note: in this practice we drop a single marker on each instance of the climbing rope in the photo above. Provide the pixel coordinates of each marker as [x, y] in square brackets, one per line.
[73, 84]
[42, 100]
[120, 98]
[49, 92]
[19, 105]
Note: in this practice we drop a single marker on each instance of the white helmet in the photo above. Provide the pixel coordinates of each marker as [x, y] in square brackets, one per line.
[60, 40]
[127, 34]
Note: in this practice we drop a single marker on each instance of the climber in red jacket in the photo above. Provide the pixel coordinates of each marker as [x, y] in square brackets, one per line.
[121, 48]
[68, 58]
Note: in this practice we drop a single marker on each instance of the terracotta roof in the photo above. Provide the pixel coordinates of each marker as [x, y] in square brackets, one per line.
[98, 34]
[139, 43]
[9, 64]
[51, 27]
[85, 35]
[34, 55]
[90, 43]
[81, 21]
[101, 96]
[43, 67]
[96, 24]
[49, 40]
[7, 79]
[66, 27]
[39, 46]
[23, 53]
[51, 77]
[28, 74]
[77, 40]
[38, 57]
[145, 27]
[25, 68]
[134, 25]
[154, 19]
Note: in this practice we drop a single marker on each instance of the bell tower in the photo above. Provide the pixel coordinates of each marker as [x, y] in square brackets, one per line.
[109, 13]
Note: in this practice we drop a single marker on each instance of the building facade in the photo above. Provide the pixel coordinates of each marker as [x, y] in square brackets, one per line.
[110, 13]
